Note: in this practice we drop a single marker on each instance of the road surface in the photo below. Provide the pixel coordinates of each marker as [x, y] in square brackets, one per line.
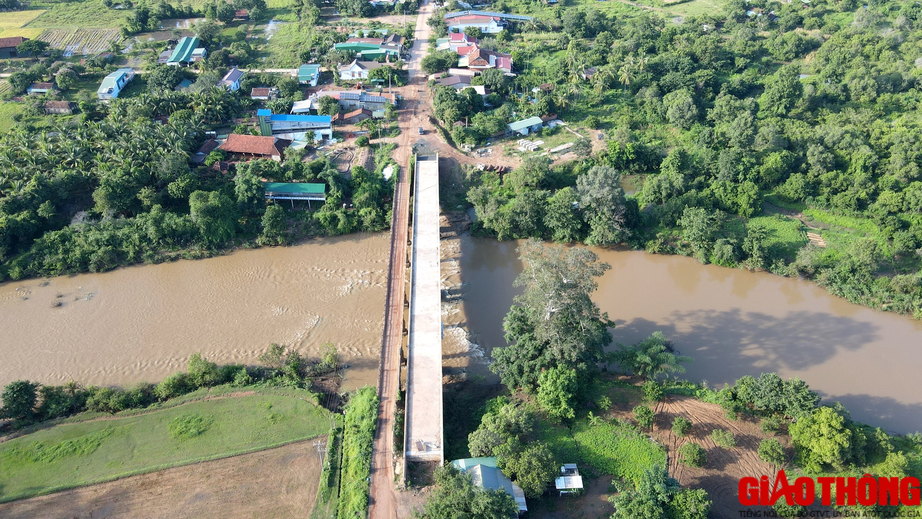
[382, 504]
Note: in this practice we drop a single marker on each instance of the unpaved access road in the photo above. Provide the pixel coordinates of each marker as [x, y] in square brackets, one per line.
[280, 482]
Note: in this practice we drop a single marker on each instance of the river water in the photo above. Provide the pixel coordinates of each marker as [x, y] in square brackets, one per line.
[731, 322]
[142, 323]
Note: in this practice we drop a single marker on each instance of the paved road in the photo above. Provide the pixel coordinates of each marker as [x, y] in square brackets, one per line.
[383, 502]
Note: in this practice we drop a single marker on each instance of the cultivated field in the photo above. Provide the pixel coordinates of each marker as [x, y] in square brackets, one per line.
[88, 13]
[77, 454]
[80, 41]
[280, 482]
[16, 19]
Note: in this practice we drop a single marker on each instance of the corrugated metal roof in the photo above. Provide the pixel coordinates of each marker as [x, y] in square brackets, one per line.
[184, 49]
[527, 123]
[468, 463]
[301, 118]
[299, 188]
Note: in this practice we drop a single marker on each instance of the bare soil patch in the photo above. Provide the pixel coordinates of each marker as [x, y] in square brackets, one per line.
[279, 482]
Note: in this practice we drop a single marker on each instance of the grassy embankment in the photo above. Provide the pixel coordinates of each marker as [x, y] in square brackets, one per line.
[79, 453]
[358, 435]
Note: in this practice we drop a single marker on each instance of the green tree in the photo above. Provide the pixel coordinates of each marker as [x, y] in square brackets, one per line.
[650, 358]
[225, 12]
[215, 215]
[782, 90]
[554, 323]
[556, 388]
[681, 426]
[680, 108]
[644, 416]
[251, 194]
[771, 451]
[274, 229]
[328, 106]
[602, 201]
[692, 454]
[32, 47]
[456, 497]
[652, 391]
[699, 228]
[562, 219]
[689, 503]
[203, 373]
[19, 400]
[821, 439]
[66, 79]
[532, 469]
[650, 498]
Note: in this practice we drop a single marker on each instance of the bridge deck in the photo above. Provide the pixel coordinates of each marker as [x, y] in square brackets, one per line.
[424, 438]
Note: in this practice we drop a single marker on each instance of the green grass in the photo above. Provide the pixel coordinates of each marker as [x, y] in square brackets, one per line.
[620, 451]
[328, 494]
[76, 454]
[16, 19]
[785, 235]
[286, 44]
[358, 436]
[7, 111]
[83, 15]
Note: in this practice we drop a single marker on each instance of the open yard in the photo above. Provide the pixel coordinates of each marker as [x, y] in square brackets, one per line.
[76, 454]
[280, 482]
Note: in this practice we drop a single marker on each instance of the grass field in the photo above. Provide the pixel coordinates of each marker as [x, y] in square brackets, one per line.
[785, 235]
[77, 454]
[16, 19]
[7, 111]
[80, 15]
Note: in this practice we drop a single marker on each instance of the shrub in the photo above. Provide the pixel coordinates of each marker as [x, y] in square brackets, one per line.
[771, 451]
[362, 141]
[723, 438]
[652, 391]
[174, 385]
[644, 416]
[692, 454]
[681, 426]
[770, 425]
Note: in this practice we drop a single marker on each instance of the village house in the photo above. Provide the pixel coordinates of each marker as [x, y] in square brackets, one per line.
[202, 153]
[38, 88]
[241, 15]
[485, 474]
[486, 24]
[58, 107]
[231, 80]
[8, 46]
[295, 126]
[526, 126]
[264, 93]
[199, 54]
[309, 74]
[455, 40]
[456, 82]
[182, 54]
[353, 117]
[357, 69]
[482, 59]
[113, 84]
[246, 147]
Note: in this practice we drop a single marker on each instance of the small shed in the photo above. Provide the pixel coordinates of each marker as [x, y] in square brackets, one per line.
[295, 191]
[486, 475]
[569, 482]
[40, 87]
[309, 74]
[59, 107]
[525, 126]
[264, 93]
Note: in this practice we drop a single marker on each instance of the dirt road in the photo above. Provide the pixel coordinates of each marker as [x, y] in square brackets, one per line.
[382, 501]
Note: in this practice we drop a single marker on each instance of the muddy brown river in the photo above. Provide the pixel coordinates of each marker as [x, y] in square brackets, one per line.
[731, 322]
[142, 323]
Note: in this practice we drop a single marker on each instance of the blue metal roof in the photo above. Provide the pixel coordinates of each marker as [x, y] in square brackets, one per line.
[301, 118]
[263, 111]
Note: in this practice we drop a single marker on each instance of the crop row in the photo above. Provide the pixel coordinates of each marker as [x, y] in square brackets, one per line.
[80, 41]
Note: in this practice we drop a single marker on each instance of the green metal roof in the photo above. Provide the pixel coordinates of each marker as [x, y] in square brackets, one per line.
[295, 188]
[183, 50]
[356, 47]
[305, 72]
[527, 123]
[469, 463]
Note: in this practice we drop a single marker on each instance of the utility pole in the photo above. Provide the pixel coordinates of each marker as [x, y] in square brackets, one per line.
[321, 449]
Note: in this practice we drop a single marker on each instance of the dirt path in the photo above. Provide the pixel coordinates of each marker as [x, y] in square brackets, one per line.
[279, 482]
[383, 502]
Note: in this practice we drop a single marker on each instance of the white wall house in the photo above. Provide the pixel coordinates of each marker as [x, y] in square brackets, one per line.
[357, 69]
[114, 83]
[487, 24]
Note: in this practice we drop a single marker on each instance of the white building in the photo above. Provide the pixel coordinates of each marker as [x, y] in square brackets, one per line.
[231, 80]
[114, 83]
[357, 69]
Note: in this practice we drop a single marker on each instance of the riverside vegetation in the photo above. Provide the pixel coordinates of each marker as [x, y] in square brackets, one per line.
[207, 412]
[559, 399]
[746, 131]
[119, 190]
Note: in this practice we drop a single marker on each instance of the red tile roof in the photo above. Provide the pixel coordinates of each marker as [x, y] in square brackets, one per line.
[14, 41]
[260, 92]
[252, 145]
[39, 85]
[58, 105]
